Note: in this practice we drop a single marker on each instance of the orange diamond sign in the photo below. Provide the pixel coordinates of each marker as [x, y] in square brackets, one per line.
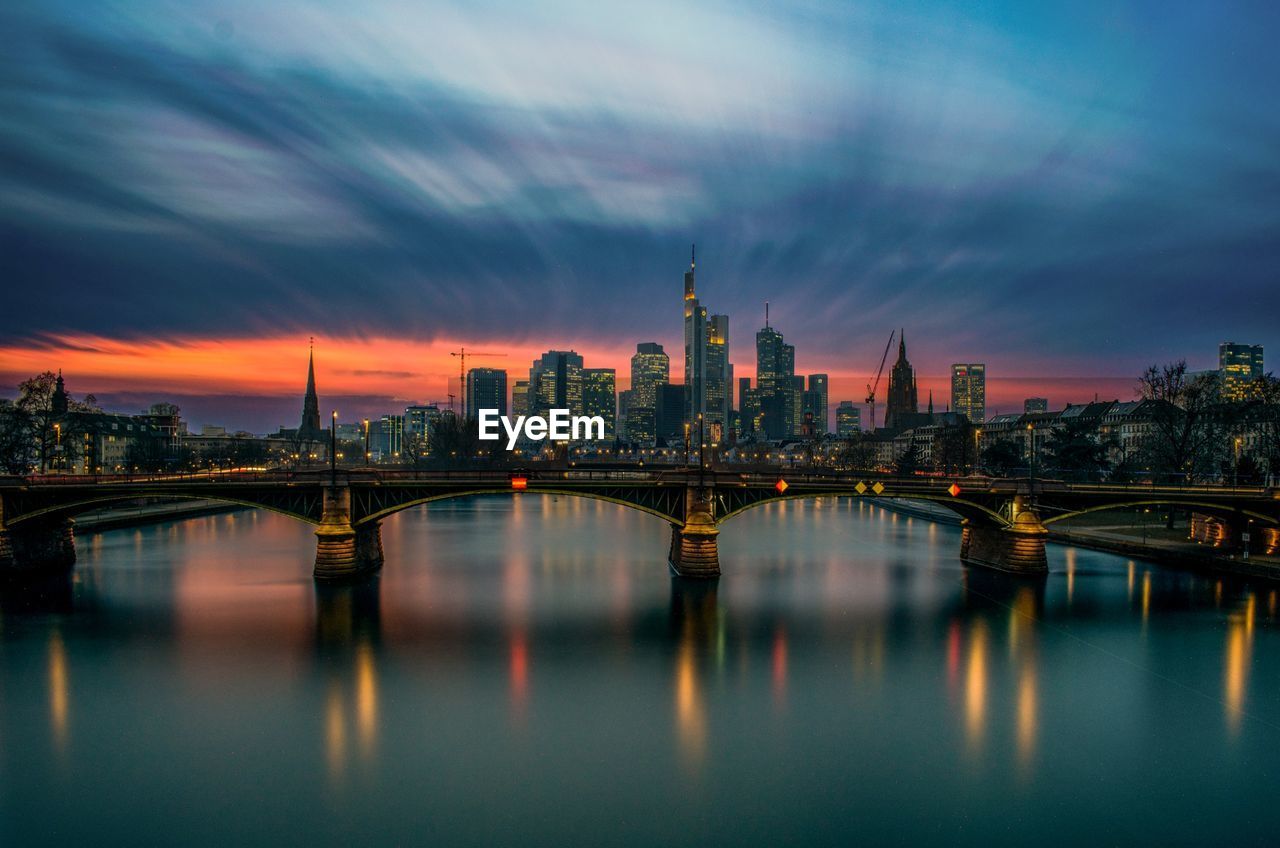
[954, 490]
[781, 486]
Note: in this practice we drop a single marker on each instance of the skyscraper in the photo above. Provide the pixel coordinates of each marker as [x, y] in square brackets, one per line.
[555, 382]
[486, 389]
[848, 419]
[669, 413]
[902, 386]
[310, 430]
[599, 397]
[1240, 364]
[650, 366]
[706, 359]
[718, 380]
[520, 398]
[695, 346]
[776, 392]
[650, 370]
[817, 403]
[969, 390]
[1035, 404]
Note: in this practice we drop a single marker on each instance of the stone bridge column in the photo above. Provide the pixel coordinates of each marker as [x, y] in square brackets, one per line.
[695, 551]
[1018, 549]
[36, 547]
[342, 549]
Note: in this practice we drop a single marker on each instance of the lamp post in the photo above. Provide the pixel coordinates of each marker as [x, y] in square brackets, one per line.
[57, 445]
[366, 442]
[333, 450]
[977, 435]
[1031, 453]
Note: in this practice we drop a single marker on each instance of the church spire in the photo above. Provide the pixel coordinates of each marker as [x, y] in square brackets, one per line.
[310, 429]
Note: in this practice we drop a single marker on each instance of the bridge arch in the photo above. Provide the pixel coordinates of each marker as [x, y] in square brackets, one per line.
[964, 509]
[1218, 510]
[77, 507]
[387, 511]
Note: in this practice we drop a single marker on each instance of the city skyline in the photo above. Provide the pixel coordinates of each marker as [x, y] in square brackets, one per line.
[273, 400]
[210, 187]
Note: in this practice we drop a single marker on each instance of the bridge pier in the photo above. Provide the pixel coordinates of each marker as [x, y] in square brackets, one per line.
[37, 548]
[695, 550]
[344, 550]
[1018, 549]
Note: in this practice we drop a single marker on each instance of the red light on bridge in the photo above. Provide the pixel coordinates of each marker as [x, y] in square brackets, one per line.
[519, 483]
[954, 490]
[781, 486]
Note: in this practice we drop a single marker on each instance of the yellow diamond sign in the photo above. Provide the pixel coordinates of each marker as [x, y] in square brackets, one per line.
[877, 488]
[860, 488]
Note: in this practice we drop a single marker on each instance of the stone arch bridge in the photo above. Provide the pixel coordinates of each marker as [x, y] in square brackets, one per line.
[1005, 520]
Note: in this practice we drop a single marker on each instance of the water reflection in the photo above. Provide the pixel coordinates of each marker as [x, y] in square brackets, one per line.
[58, 698]
[862, 657]
[696, 621]
[1239, 651]
[348, 640]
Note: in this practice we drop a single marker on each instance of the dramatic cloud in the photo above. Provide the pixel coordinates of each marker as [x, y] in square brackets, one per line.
[1057, 192]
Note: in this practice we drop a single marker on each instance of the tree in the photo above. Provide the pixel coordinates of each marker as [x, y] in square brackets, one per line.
[1189, 424]
[17, 448]
[453, 439]
[908, 461]
[953, 448]
[1074, 446]
[1002, 456]
[857, 454]
[38, 430]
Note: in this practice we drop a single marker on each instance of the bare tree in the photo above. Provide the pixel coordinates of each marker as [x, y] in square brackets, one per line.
[1189, 424]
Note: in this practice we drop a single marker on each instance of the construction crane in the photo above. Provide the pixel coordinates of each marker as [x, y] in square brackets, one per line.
[462, 353]
[872, 387]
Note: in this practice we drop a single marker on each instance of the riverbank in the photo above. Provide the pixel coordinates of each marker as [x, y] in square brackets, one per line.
[1176, 553]
[132, 515]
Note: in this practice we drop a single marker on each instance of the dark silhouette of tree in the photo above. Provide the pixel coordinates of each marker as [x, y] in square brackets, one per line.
[1189, 424]
[953, 448]
[51, 435]
[1075, 447]
[1002, 457]
[857, 454]
[908, 462]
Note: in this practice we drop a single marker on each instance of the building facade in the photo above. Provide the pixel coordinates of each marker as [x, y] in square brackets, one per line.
[1240, 364]
[600, 397]
[486, 389]
[848, 419]
[969, 390]
[902, 399]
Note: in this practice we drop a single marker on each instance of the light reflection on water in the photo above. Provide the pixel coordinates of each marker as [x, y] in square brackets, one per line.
[526, 670]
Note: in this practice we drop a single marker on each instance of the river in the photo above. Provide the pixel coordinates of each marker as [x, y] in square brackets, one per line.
[526, 671]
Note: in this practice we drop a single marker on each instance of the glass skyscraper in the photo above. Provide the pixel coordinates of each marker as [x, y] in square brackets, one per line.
[969, 390]
[1240, 364]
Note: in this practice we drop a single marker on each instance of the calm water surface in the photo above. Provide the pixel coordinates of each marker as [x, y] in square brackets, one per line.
[527, 672]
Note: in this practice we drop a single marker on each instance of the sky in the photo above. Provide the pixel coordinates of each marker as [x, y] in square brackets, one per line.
[189, 191]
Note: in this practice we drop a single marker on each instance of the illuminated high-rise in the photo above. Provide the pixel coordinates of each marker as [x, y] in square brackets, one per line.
[848, 419]
[1240, 364]
[600, 397]
[706, 359]
[555, 382]
[969, 390]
